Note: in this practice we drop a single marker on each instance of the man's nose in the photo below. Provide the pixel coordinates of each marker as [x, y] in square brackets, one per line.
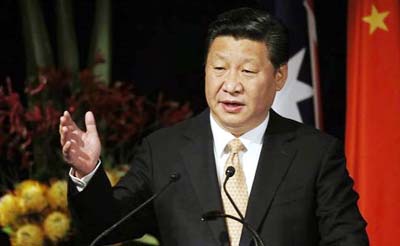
[232, 83]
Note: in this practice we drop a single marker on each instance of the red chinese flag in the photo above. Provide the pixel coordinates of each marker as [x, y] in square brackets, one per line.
[373, 114]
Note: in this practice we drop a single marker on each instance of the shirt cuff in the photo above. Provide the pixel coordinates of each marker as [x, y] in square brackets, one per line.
[81, 183]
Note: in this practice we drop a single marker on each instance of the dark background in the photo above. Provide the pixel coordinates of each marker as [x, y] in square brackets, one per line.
[159, 45]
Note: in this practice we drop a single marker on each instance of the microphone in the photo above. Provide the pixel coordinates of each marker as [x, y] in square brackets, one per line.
[213, 215]
[230, 171]
[172, 179]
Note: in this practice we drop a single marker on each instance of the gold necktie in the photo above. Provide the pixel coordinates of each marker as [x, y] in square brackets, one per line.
[237, 188]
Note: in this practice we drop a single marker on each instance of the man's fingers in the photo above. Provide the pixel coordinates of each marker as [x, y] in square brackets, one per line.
[65, 149]
[69, 130]
[90, 122]
[66, 120]
[67, 115]
[63, 134]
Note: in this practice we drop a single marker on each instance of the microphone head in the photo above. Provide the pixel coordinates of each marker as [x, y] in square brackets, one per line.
[174, 177]
[230, 171]
[211, 215]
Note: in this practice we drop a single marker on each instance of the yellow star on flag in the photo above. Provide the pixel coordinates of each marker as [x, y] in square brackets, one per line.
[376, 20]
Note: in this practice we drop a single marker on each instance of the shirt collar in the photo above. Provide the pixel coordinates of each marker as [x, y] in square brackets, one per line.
[222, 137]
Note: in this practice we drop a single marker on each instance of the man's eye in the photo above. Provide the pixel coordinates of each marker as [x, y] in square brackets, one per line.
[219, 68]
[248, 71]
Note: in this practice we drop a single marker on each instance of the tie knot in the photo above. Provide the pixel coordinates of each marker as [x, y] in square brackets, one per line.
[235, 146]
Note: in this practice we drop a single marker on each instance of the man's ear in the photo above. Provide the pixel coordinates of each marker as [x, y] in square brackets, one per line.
[280, 76]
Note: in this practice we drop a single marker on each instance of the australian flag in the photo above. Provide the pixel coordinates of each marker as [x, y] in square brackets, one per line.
[300, 98]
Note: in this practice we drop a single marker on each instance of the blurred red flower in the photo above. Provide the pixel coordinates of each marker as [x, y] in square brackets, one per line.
[122, 114]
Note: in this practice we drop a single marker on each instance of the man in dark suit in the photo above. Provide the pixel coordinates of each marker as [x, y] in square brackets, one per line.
[291, 184]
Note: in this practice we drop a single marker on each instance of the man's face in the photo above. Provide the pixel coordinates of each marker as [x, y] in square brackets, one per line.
[240, 83]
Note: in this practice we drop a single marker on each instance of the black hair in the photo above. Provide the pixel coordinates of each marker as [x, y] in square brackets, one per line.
[256, 25]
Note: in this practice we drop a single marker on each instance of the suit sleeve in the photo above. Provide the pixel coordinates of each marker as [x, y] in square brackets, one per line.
[340, 221]
[99, 205]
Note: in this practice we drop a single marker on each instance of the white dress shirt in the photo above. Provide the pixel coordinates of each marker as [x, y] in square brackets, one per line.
[252, 140]
[82, 182]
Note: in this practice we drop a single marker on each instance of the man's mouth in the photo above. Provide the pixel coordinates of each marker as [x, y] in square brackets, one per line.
[232, 106]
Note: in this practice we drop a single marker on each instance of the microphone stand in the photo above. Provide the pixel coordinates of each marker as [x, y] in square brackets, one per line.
[230, 171]
[173, 178]
[213, 215]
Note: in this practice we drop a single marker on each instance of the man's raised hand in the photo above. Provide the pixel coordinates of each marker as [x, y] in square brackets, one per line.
[81, 149]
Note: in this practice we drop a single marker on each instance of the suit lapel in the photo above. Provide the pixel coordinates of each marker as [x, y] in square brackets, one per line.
[274, 162]
[198, 156]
